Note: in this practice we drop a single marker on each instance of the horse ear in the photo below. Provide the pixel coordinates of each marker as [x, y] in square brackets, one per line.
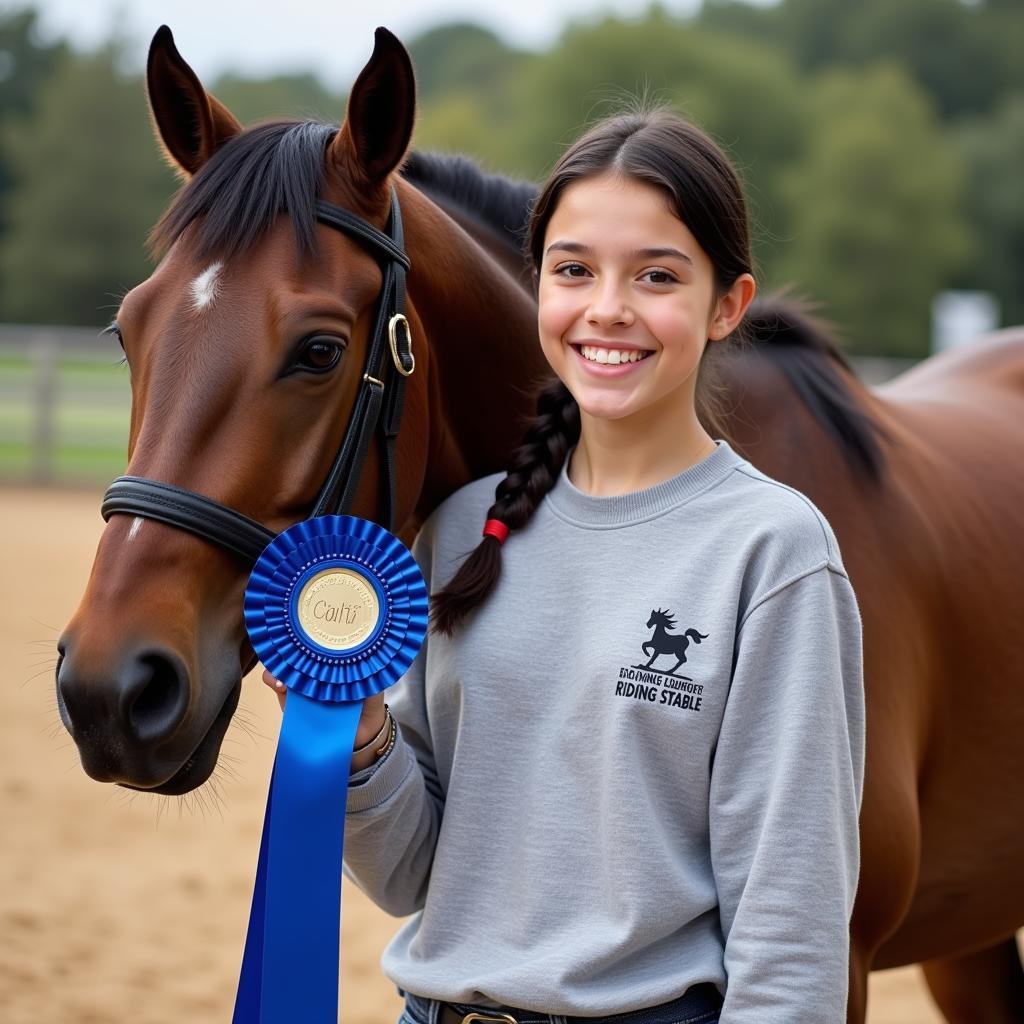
[381, 111]
[190, 123]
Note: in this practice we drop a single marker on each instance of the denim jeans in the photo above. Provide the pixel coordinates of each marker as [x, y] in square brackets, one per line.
[420, 1010]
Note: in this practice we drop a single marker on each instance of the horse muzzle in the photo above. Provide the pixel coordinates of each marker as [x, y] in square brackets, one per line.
[140, 721]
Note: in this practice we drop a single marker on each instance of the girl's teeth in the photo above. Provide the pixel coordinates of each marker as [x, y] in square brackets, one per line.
[612, 356]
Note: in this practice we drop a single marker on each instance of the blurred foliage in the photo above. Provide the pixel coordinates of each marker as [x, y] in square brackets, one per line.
[255, 99]
[89, 186]
[460, 57]
[993, 150]
[879, 143]
[25, 64]
[469, 85]
[964, 55]
[874, 198]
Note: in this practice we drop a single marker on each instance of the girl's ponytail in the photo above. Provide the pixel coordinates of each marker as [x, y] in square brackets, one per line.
[534, 468]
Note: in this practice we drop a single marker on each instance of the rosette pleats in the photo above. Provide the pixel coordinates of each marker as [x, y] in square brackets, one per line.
[296, 659]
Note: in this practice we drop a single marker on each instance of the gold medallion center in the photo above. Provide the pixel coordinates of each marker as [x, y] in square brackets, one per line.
[338, 608]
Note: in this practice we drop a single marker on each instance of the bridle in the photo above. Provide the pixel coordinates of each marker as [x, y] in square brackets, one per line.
[379, 401]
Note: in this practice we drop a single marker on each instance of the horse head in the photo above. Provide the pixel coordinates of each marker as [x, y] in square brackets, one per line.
[661, 618]
[246, 349]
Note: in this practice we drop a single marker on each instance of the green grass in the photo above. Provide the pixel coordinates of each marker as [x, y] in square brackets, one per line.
[99, 464]
[15, 460]
[16, 367]
[15, 371]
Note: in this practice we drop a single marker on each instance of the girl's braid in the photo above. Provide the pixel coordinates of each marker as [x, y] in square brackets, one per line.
[536, 463]
[535, 466]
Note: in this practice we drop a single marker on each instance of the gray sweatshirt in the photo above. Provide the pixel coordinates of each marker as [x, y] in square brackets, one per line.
[639, 764]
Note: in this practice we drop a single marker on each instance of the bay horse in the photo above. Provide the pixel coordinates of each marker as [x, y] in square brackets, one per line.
[921, 480]
[245, 346]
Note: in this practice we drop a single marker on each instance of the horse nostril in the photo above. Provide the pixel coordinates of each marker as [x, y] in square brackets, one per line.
[156, 699]
[62, 708]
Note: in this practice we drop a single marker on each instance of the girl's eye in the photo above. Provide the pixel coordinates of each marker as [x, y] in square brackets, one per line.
[571, 268]
[660, 277]
[320, 354]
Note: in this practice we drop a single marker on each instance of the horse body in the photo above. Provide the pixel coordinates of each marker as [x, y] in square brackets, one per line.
[919, 478]
[966, 410]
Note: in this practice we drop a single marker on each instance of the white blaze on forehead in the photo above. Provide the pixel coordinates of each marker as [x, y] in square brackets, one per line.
[134, 530]
[204, 287]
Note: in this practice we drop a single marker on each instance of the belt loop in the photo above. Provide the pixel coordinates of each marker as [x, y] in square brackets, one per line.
[434, 1011]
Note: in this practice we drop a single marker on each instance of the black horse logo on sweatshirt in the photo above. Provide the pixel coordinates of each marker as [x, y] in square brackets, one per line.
[664, 642]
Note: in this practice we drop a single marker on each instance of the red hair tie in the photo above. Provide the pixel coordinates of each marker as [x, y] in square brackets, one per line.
[496, 528]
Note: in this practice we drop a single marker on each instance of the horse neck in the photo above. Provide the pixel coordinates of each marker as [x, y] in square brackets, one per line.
[772, 424]
[478, 325]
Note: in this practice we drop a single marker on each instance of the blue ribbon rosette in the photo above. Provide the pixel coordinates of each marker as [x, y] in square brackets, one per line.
[336, 609]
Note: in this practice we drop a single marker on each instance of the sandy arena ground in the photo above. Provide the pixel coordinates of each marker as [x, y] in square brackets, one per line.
[118, 908]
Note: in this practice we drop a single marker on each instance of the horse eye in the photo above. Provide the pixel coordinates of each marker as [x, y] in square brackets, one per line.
[320, 354]
[115, 330]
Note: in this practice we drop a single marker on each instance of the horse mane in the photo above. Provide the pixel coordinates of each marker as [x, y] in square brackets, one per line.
[804, 347]
[279, 166]
[235, 197]
[500, 202]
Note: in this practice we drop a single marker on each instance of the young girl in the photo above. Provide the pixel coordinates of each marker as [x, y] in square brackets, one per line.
[627, 768]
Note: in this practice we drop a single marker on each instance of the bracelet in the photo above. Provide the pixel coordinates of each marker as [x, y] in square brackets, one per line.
[385, 728]
[392, 737]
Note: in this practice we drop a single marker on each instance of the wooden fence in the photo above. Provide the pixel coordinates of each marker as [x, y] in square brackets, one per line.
[64, 405]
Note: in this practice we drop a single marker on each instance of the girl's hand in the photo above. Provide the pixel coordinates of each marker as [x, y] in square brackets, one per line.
[371, 720]
[279, 688]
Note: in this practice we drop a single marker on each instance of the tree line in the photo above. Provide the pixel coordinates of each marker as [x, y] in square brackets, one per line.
[880, 144]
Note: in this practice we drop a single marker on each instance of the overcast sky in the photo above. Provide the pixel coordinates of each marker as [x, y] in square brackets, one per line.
[333, 39]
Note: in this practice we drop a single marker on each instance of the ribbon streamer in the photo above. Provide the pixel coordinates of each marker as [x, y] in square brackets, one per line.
[290, 965]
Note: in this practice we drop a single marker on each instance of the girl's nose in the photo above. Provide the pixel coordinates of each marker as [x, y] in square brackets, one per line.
[608, 307]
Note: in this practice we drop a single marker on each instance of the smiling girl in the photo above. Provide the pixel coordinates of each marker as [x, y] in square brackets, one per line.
[627, 767]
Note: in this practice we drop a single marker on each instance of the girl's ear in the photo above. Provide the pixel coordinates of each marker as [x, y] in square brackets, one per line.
[190, 123]
[731, 306]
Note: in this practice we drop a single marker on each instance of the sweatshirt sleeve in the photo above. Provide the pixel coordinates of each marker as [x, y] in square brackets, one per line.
[394, 807]
[786, 787]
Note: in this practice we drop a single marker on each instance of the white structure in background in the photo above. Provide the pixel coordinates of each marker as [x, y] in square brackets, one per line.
[959, 317]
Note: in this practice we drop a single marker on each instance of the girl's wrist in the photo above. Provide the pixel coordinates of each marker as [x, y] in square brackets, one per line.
[378, 737]
[377, 748]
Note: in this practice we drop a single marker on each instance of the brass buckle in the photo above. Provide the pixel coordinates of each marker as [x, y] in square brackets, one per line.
[498, 1018]
[393, 338]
